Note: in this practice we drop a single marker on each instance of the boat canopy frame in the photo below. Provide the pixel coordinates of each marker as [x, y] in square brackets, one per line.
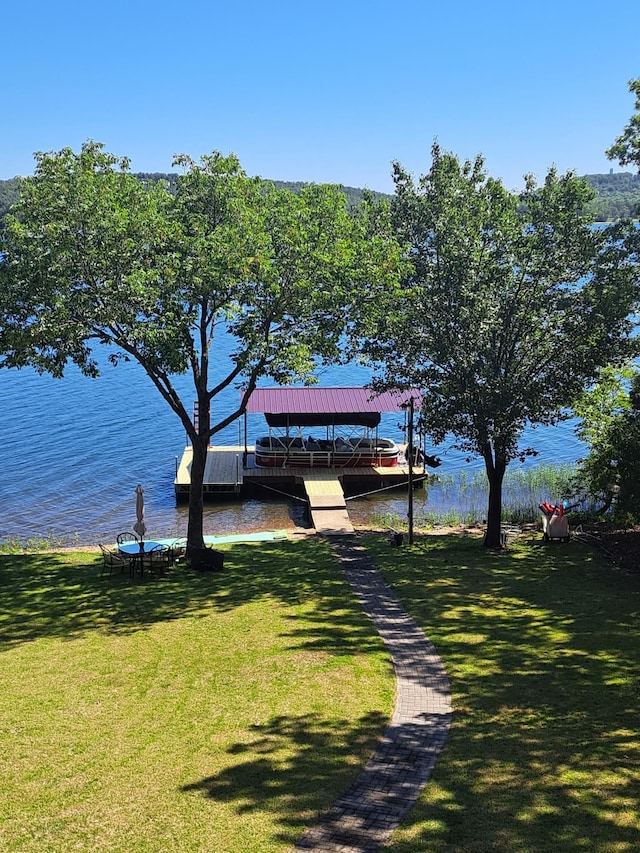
[310, 406]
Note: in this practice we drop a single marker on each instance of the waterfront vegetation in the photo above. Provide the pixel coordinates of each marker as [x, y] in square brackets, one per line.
[16, 545]
[487, 358]
[448, 500]
[460, 499]
[223, 711]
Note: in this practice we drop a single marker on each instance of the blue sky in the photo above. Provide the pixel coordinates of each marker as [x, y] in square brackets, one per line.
[331, 91]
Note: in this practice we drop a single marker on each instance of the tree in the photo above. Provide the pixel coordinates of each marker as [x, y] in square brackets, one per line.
[610, 409]
[610, 475]
[626, 148]
[93, 255]
[511, 305]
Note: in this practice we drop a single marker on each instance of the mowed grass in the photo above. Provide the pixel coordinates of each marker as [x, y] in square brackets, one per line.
[222, 712]
[542, 646]
[215, 712]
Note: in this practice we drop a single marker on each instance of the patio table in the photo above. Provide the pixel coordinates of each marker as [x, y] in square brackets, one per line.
[137, 551]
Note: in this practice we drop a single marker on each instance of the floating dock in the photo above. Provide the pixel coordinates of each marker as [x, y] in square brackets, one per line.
[223, 473]
[229, 474]
[293, 468]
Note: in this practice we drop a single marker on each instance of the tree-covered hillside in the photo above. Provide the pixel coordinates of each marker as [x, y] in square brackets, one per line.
[8, 194]
[618, 195]
[353, 194]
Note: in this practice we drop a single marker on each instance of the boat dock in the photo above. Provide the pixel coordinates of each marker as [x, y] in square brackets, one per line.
[322, 471]
[229, 475]
[223, 473]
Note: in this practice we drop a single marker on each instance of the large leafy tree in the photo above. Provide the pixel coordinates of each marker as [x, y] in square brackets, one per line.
[609, 413]
[626, 148]
[610, 409]
[93, 256]
[511, 305]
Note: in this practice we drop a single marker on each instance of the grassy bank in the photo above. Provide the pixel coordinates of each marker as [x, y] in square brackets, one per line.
[198, 712]
[221, 712]
[541, 644]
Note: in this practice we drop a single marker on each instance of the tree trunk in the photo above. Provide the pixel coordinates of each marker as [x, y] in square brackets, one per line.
[195, 536]
[495, 475]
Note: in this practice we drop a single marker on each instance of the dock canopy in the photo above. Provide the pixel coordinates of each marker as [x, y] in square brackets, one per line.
[316, 406]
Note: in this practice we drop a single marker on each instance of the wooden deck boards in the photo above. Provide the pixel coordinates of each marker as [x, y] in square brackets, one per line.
[327, 505]
[332, 522]
[323, 489]
[222, 473]
[225, 467]
[225, 475]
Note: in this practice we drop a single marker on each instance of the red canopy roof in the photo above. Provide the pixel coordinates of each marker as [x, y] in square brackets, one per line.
[317, 400]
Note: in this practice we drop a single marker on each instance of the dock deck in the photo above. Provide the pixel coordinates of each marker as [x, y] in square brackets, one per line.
[324, 488]
[327, 505]
[223, 472]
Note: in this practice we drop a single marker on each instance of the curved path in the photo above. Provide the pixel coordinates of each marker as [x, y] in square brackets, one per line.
[364, 817]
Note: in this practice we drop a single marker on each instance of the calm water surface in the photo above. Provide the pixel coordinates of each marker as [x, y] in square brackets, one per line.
[73, 450]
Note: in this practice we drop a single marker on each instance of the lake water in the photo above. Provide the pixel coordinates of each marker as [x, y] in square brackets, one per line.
[73, 450]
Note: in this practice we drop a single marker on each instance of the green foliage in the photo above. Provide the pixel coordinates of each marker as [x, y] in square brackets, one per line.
[512, 304]
[626, 148]
[16, 545]
[465, 497]
[9, 193]
[154, 269]
[10, 189]
[610, 474]
[601, 403]
[617, 196]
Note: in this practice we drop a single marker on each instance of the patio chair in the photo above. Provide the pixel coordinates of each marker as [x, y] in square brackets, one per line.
[115, 560]
[177, 551]
[126, 537]
[159, 559]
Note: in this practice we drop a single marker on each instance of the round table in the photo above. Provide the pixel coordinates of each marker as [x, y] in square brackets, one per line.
[137, 551]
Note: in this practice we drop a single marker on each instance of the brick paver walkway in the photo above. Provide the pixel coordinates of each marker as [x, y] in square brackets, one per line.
[364, 817]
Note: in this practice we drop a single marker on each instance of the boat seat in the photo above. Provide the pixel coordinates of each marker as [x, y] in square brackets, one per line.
[363, 443]
[384, 442]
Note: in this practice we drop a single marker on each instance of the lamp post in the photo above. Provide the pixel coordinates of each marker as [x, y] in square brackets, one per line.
[410, 460]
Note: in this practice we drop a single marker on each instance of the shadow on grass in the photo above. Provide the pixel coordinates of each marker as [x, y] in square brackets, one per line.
[64, 595]
[541, 645]
[289, 767]
[292, 767]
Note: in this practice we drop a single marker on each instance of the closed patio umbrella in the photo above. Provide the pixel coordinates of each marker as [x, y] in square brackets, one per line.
[140, 527]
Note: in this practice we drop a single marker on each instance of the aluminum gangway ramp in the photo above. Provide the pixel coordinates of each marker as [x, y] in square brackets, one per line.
[327, 505]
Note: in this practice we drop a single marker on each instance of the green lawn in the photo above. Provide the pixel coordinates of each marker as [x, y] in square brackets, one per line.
[542, 647]
[221, 712]
[213, 712]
